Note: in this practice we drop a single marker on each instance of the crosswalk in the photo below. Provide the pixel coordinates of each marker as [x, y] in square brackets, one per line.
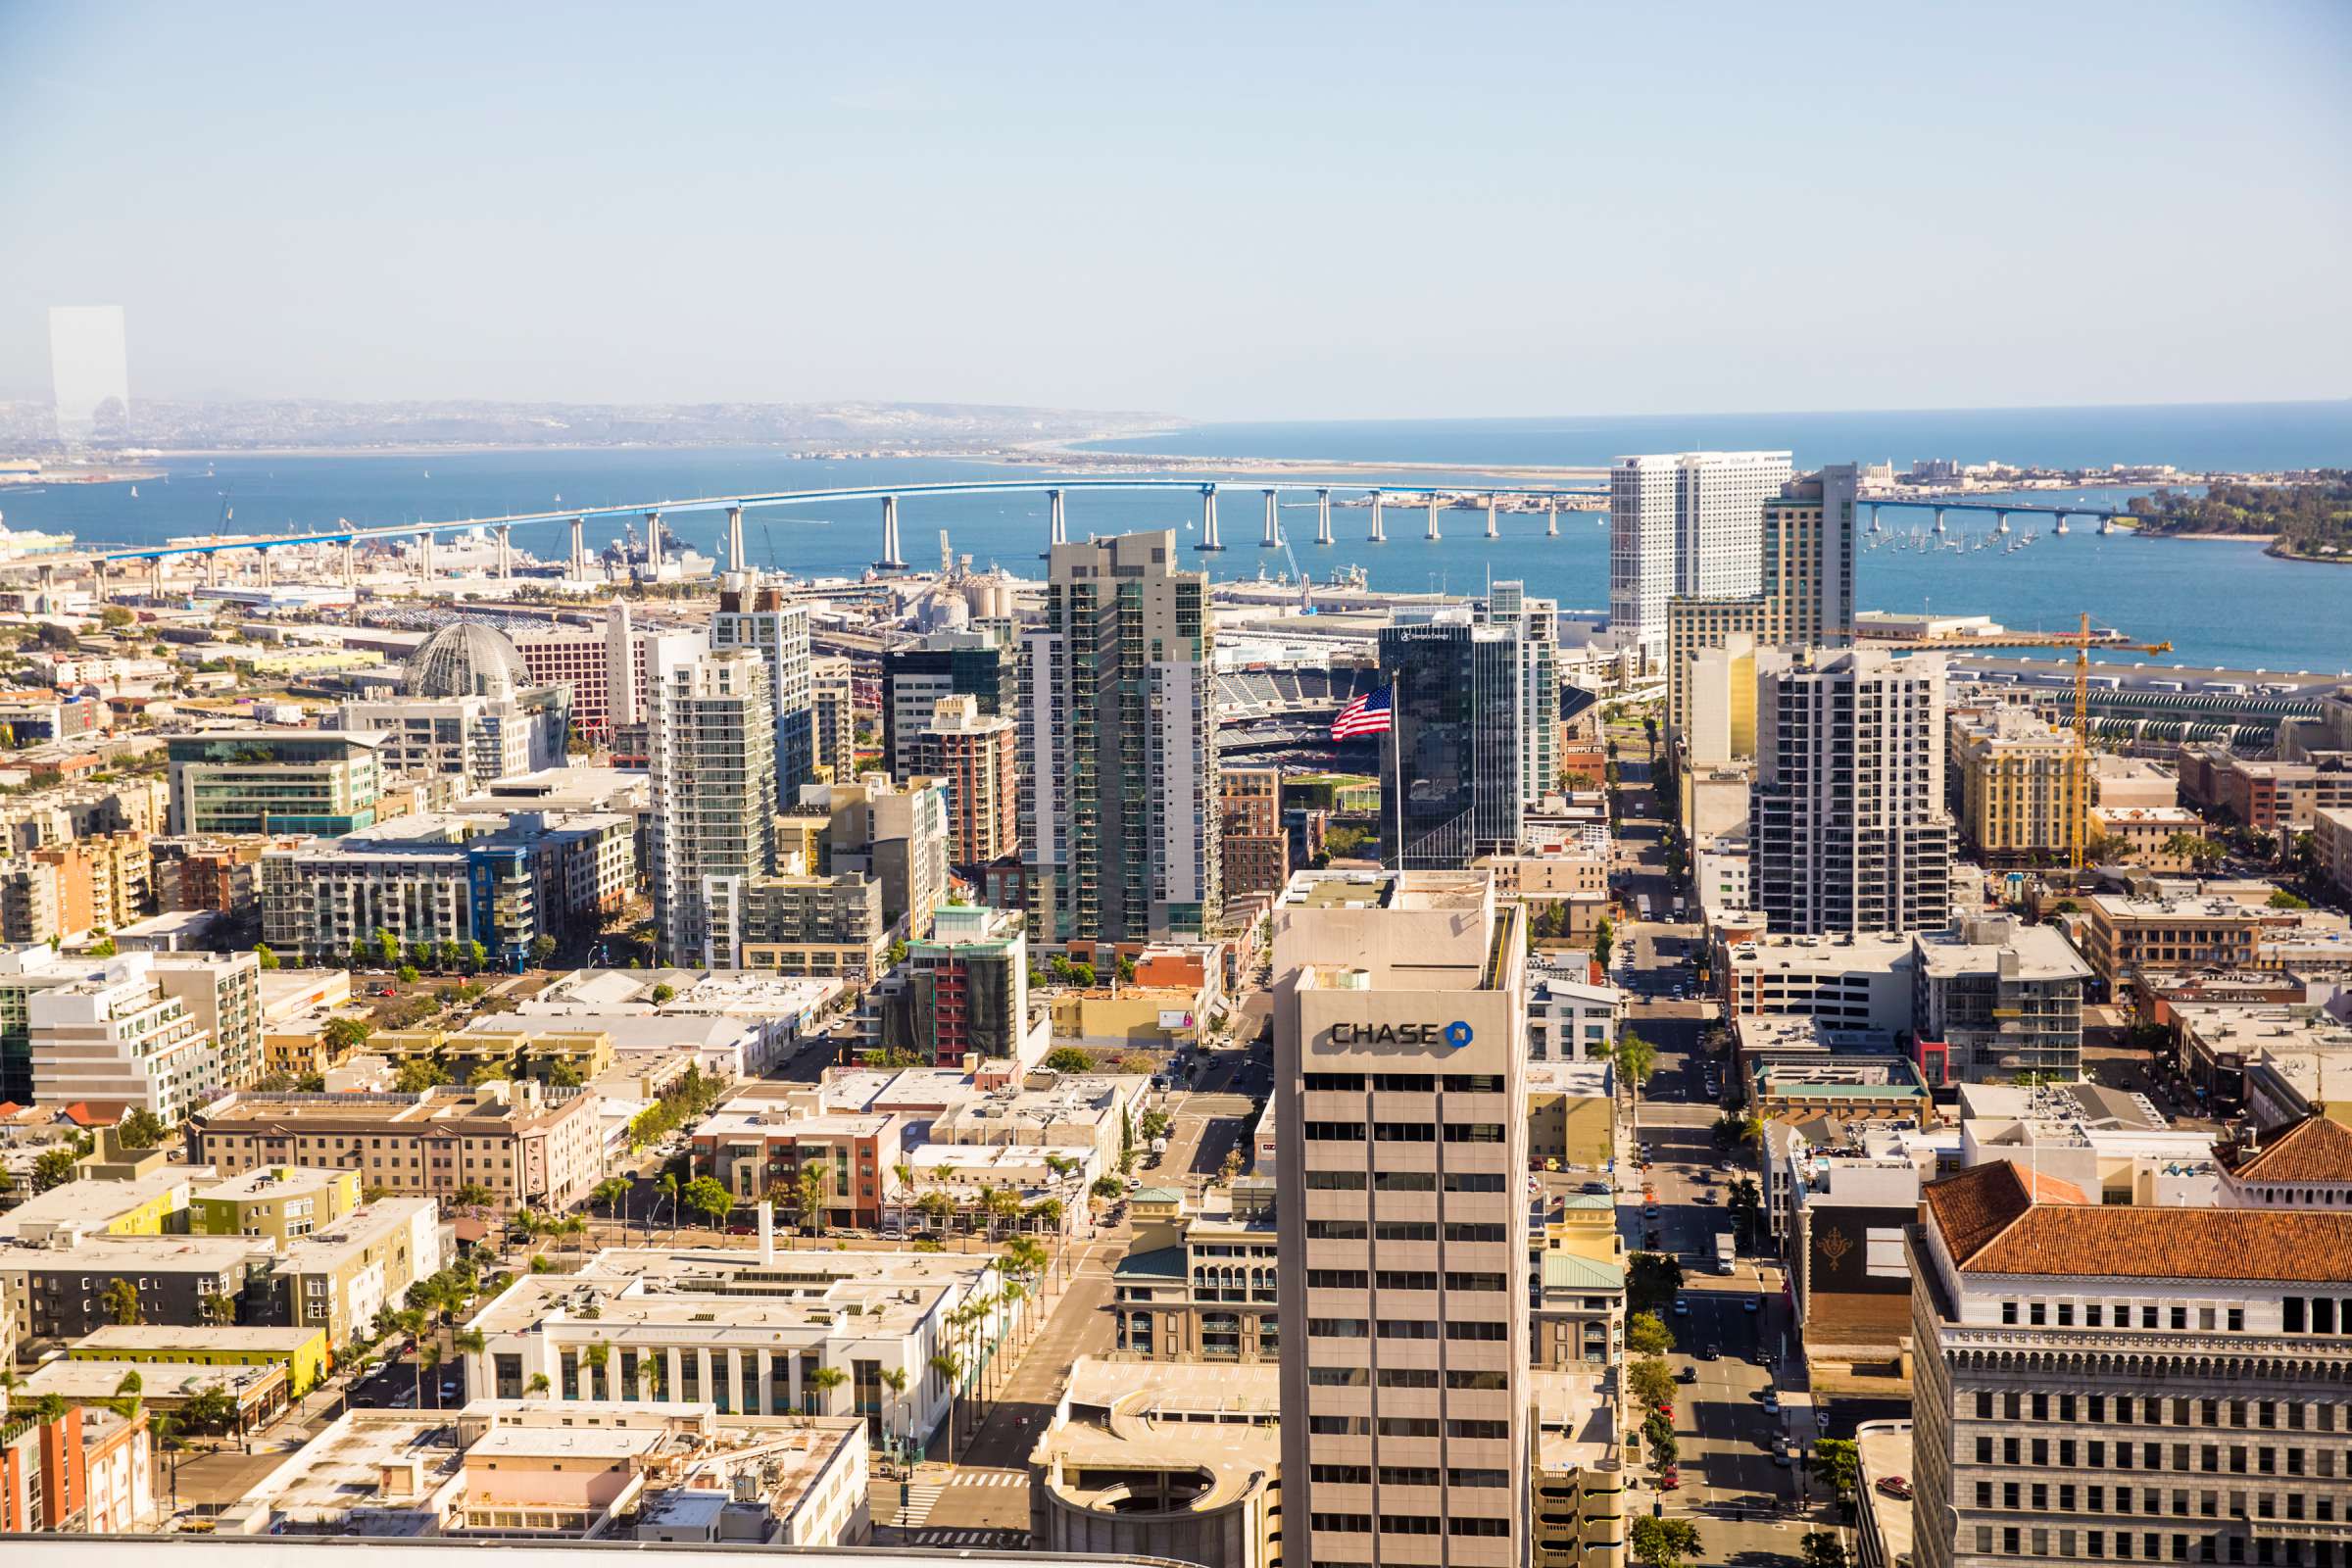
[998, 1540]
[923, 1495]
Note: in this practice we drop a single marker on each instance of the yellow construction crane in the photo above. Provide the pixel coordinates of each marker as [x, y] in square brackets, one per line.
[2079, 759]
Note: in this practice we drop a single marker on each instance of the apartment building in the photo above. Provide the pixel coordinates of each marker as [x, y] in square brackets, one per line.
[758, 1150]
[833, 702]
[322, 782]
[1570, 1017]
[1850, 983]
[1847, 830]
[896, 833]
[962, 991]
[337, 1277]
[2265, 796]
[1403, 1260]
[2000, 998]
[714, 792]
[2146, 834]
[1255, 844]
[2019, 799]
[1537, 621]
[526, 1147]
[116, 1035]
[2332, 837]
[2106, 1383]
[974, 758]
[943, 664]
[62, 1292]
[283, 1202]
[753, 613]
[1120, 832]
[816, 925]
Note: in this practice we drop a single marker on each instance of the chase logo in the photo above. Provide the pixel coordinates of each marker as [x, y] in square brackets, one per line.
[1458, 1034]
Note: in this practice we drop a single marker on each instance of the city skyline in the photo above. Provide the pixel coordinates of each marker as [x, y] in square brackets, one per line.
[1618, 219]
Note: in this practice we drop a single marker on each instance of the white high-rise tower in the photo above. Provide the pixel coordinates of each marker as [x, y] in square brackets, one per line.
[714, 803]
[1686, 523]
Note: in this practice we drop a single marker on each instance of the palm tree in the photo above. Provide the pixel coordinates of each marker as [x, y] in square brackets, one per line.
[593, 1360]
[575, 1226]
[613, 1193]
[649, 1376]
[822, 1382]
[1015, 1291]
[895, 1380]
[809, 1187]
[904, 1172]
[668, 1186]
[948, 1366]
[537, 1384]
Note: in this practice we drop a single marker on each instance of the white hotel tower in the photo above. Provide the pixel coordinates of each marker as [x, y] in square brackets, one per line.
[1689, 523]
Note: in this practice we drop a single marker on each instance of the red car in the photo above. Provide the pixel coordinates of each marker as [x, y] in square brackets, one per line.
[1669, 1479]
[1895, 1486]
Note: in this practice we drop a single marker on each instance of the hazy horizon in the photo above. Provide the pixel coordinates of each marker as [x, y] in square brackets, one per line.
[1377, 211]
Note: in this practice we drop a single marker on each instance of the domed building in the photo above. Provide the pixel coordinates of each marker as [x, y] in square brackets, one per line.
[467, 658]
[468, 709]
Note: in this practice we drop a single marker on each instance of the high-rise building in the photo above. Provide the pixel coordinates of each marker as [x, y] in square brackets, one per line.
[975, 757]
[1538, 623]
[612, 672]
[2017, 798]
[274, 781]
[1452, 766]
[1255, 844]
[1805, 596]
[468, 709]
[1684, 523]
[1119, 747]
[962, 991]
[754, 614]
[1846, 827]
[894, 833]
[714, 803]
[1400, 1022]
[2098, 1382]
[832, 689]
[974, 664]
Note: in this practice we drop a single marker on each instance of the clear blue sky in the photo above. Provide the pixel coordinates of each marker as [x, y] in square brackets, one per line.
[1222, 212]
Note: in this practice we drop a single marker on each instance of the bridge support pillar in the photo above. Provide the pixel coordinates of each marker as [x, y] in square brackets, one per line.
[891, 559]
[1059, 515]
[1273, 538]
[1208, 519]
[1379, 529]
[579, 550]
[1874, 525]
[155, 577]
[350, 565]
[98, 582]
[735, 539]
[1432, 535]
[425, 553]
[1323, 517]
[1551, 521]
[212, 568]
[505, 554]
[2000, 522]
[653, 544]
[1491, 533]
[262, 561]
[2061, 525]
[1939, 521]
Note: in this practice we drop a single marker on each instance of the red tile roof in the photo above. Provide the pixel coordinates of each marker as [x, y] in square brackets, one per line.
[2314, 1149]
[1975, 1208]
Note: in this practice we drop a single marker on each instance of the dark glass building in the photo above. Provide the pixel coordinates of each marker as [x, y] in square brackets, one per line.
[1449, 766]
[947, 663]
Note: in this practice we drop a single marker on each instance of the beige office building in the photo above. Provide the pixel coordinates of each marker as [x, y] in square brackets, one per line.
[1401, 1049]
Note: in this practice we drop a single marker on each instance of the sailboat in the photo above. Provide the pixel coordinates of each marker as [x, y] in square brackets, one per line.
[134, 492]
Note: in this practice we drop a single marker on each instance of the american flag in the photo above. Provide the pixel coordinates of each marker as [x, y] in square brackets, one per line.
[1368, 714]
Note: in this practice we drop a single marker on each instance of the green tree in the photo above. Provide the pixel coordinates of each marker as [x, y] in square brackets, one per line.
[809, 1195]
[948, 1367]
[2281, 899]
[417, 1074]
[1660, 1542]
[663, 993]
[1743, 1201]
[543, 951]
[1646, 1334]
[53, 1168]
[407, 974]
[1154, 1125]
[708, 1197]
[142, 1129]
[209, 1411]
[611, 1192]
[1604, 935]
[120, 1301]
[387, 949]
[343, 1036]
[1822, 1548]
[1069, 1058]
[1126, 970]
[1838, 1461]
[264, 957]
[1651, 1381]
[1106, 1186]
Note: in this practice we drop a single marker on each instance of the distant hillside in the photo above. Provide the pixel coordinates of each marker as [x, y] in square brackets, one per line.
[2304, 519]
[804, 427]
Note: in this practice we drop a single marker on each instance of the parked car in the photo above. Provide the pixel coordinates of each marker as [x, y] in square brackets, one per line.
[1669, 1479]
[1689, 1374]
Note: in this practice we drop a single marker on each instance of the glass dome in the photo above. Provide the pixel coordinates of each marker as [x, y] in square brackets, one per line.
[467, 659]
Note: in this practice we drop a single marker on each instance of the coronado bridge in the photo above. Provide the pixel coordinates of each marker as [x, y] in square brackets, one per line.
[656, 514]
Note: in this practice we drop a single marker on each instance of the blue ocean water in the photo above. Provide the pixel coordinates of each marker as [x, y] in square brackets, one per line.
[2239, 437]
[2218, 603]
